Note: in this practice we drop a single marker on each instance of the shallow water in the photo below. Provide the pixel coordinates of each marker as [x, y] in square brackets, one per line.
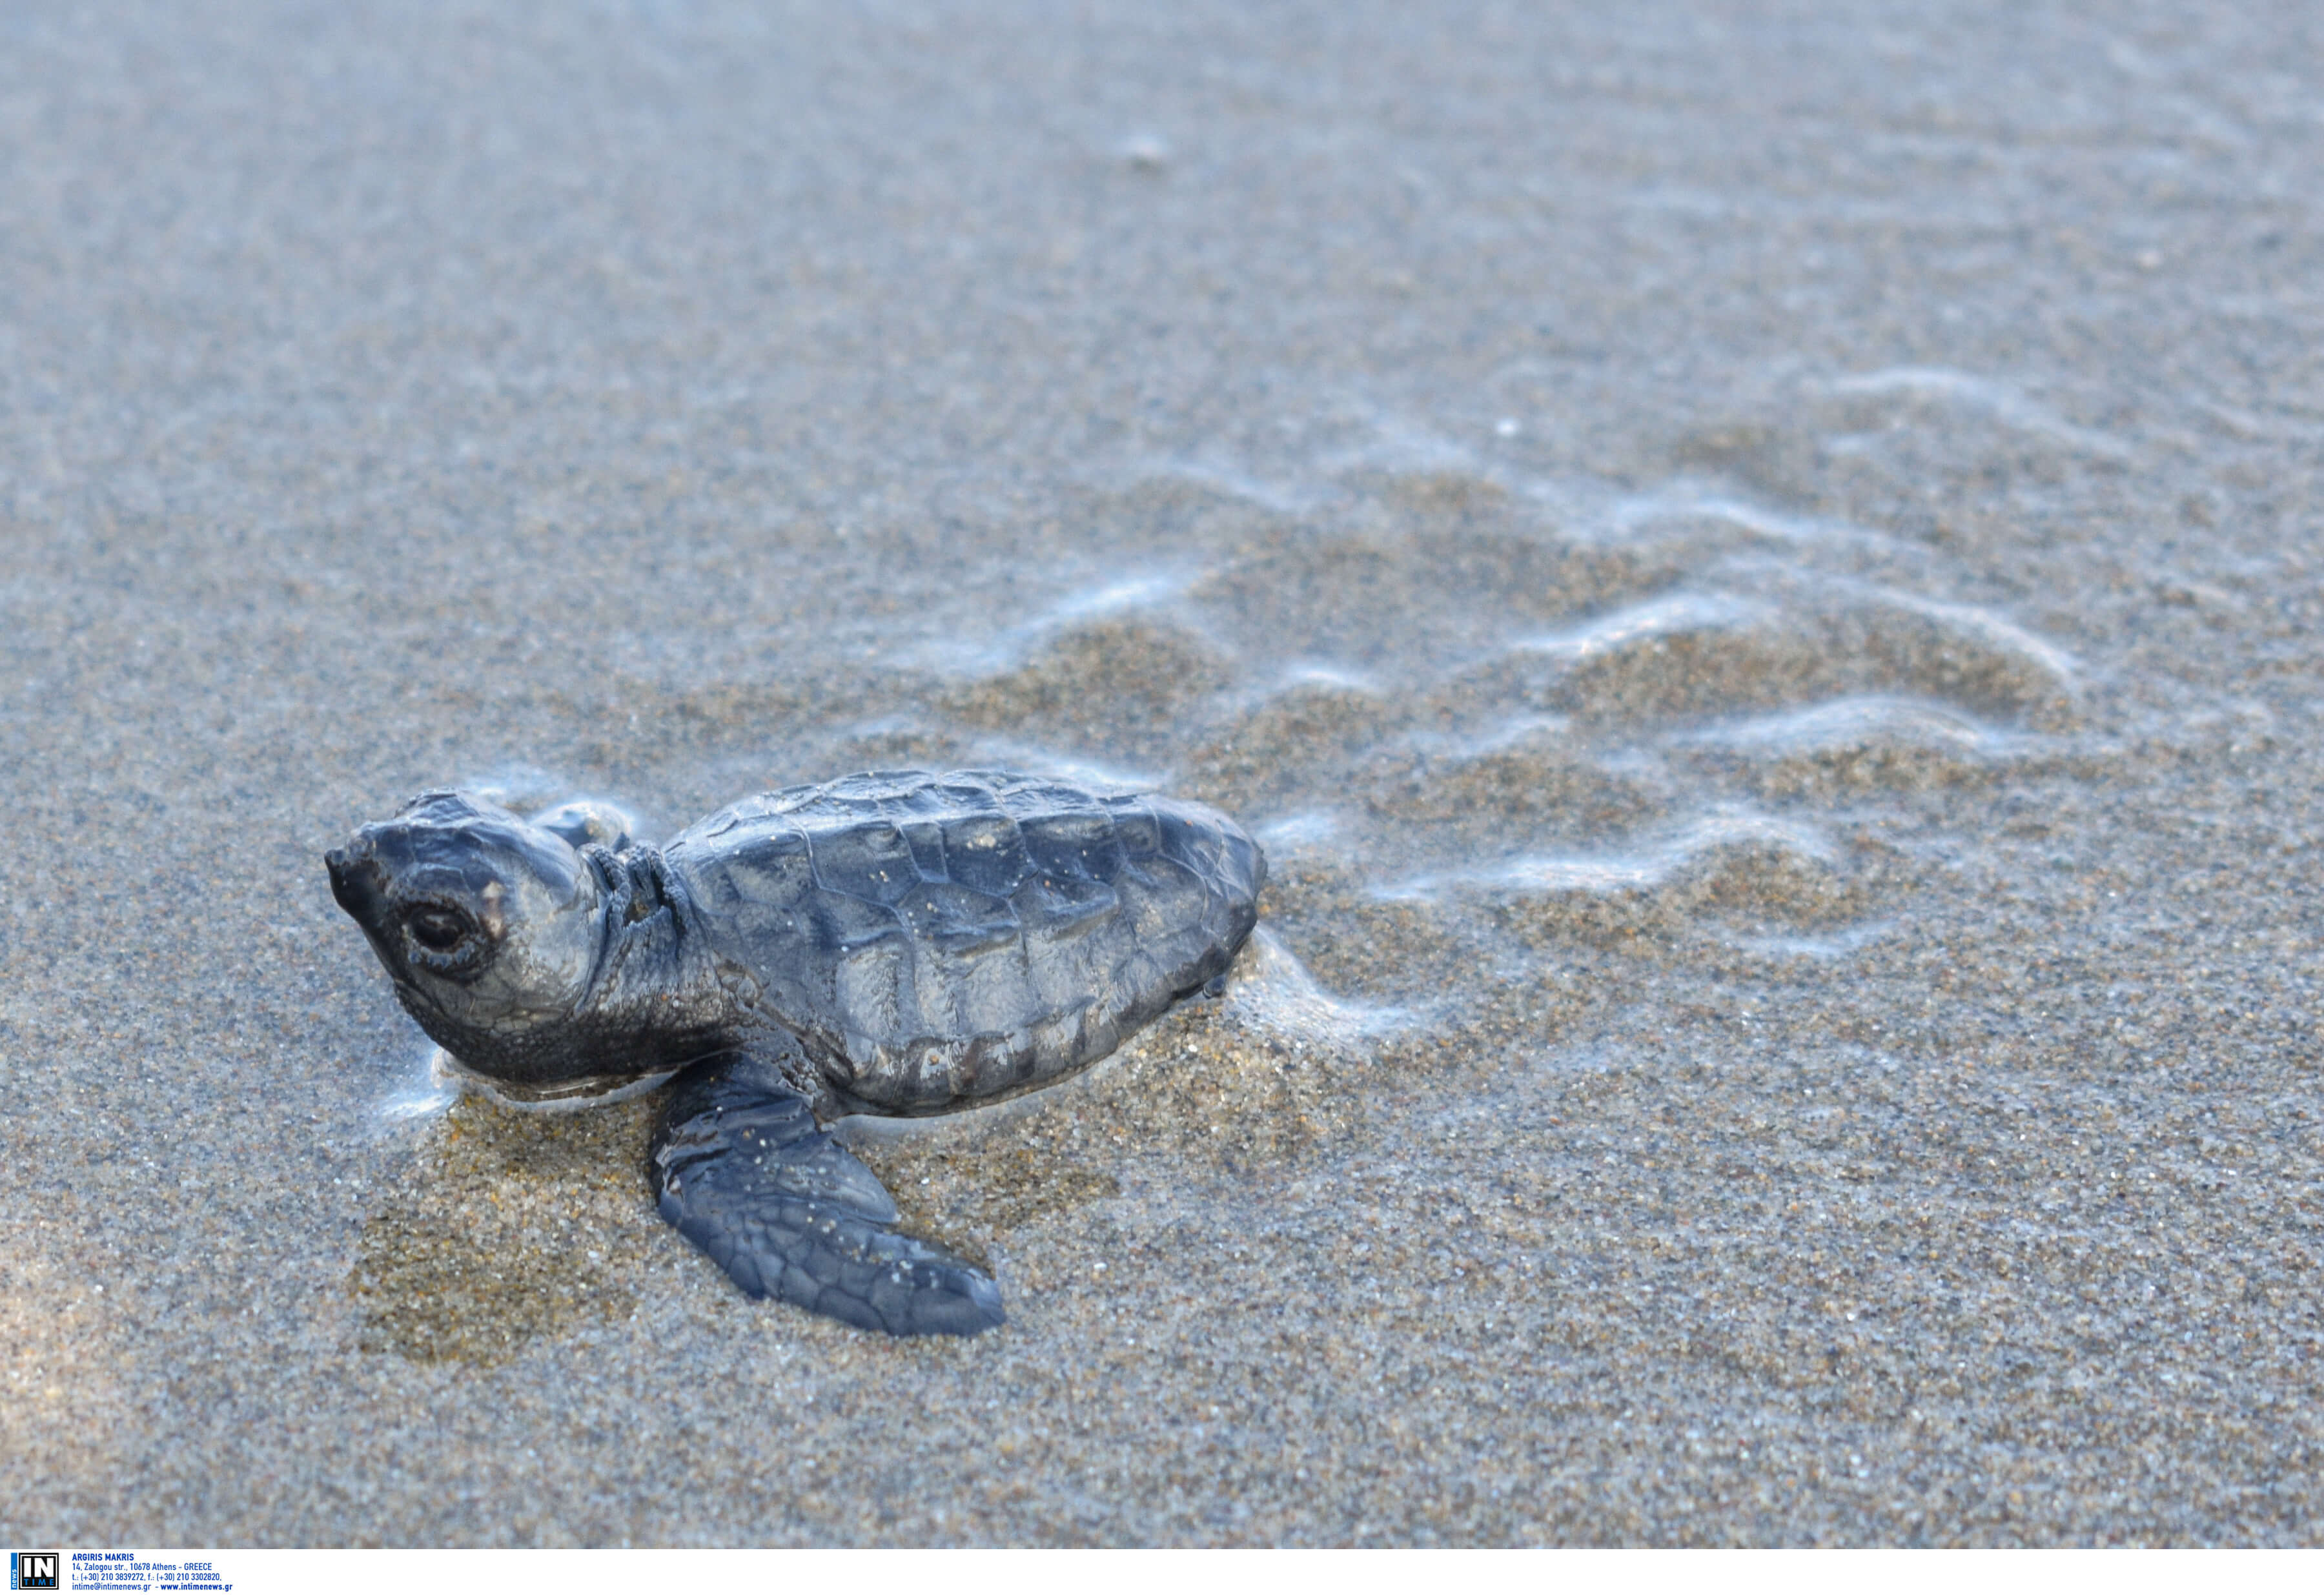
[1757, 577]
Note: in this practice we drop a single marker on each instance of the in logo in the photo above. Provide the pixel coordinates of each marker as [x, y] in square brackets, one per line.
[34, 1570]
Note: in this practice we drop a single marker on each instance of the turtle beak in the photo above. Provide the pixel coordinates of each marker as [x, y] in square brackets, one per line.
[354, 882]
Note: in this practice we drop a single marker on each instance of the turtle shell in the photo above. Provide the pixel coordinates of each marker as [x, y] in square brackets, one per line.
[933, 941]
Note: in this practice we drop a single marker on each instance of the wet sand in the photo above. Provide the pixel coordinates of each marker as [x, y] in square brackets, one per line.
[1757, 578]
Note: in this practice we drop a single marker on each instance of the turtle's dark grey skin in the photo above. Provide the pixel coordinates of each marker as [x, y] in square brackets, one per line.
[898, 943]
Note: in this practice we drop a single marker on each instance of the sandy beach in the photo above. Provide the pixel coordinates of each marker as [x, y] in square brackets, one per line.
[1757, 573]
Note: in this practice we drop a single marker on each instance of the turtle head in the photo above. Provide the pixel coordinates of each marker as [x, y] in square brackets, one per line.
[490, 927]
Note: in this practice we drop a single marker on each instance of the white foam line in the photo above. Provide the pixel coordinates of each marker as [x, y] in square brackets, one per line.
[1275, 992]
[1232, 483]
[1318, 673]
[2005, 635]
[1633, 512]
[1659, 617]
[1012, 646]
[1606, 874]
[1998, 399]
[426, 1098]
[1032, 758]
[1821, 948]
[1294, 832]
[450, 1075]
[1511, 733]
[1137, 592]
[1821, 723]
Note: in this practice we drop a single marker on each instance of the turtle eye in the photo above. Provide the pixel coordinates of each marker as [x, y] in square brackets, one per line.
[438, 930]
[447, 940]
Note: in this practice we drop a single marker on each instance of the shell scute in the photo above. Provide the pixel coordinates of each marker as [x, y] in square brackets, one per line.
[1079, 845]
[959, 919]
[985, 853]
[1136, 828]
[772, 867]
[837, 923]
[925, 839]
[871, 861]
[875, 989]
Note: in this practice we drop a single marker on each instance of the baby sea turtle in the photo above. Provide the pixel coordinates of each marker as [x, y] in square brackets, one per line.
[897, 942]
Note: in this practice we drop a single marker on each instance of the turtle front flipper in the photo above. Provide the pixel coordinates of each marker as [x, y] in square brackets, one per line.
[741, 1168]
